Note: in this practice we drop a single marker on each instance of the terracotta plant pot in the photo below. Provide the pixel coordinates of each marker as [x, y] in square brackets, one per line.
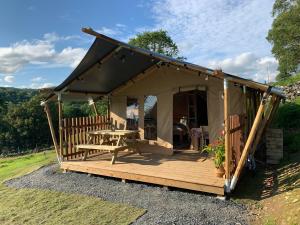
[220, 171]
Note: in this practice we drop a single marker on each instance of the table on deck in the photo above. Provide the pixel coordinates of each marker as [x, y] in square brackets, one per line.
[107, 144]
[105, 135]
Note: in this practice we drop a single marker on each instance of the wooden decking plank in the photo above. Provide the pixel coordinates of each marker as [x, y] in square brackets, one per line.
[148, 179]
[180, 170]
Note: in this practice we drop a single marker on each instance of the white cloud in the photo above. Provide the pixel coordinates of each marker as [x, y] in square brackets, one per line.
[118, 30]
[37, 79]
[46, 85]
[219, 30]
[248, 65]
[41, 85]
[220, 26]
[53, 37]
[9, 79]
[108, 31]
[70, 56]
[38, 52]
[121, 25]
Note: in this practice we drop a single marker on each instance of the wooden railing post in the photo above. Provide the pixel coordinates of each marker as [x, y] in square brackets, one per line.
[60, 117]
[49, 118]
[92, 103]
[228, 155]
[250, 139]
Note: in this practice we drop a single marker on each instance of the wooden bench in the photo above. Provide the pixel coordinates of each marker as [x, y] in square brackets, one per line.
[105, 148]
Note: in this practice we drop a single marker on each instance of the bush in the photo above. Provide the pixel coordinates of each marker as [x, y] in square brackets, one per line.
[291, 142]
[288, 115]
[288, 119]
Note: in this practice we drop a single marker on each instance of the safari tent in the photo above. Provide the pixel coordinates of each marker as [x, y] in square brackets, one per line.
[171, 107]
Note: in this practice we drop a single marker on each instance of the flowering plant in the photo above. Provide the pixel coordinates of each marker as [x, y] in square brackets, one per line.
[217, 148]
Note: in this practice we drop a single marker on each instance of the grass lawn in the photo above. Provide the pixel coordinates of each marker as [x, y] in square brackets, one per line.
[33, 206]
[273, 193]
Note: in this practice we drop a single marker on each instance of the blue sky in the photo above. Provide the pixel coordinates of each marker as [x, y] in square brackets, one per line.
[41, 41]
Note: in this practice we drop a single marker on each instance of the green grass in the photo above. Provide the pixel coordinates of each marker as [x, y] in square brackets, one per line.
[32, 206]
[288, 81]
[273, 193]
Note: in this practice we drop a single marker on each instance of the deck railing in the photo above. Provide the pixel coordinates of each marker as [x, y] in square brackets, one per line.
[75, 130]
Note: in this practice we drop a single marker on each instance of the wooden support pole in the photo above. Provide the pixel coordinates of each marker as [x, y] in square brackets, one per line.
[49, 118]
[250, 139]
[228, 155]
[93, 105]
[60, 125]
[263, 125]
[95, 109]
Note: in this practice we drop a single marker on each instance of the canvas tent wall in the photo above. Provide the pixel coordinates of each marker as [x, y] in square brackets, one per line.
[164, 82]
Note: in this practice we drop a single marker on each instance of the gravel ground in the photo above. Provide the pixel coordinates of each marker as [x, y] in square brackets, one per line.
[163, 206]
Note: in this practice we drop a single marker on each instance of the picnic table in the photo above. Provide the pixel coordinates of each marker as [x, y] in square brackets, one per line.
[112, 141]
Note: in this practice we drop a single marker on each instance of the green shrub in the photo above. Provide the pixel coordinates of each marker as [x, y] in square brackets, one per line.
[291, 142]
[288, 115]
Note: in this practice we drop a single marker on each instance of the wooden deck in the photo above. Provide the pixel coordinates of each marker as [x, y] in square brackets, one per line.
[188, 169]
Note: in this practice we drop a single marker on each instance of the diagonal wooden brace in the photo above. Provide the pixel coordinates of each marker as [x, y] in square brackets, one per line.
[253, 131]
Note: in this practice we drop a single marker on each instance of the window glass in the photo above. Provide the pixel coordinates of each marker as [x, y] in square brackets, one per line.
[150, 117]
[132, 114]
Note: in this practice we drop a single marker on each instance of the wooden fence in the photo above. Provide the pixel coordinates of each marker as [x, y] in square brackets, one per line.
[236, 138]
[75, 130]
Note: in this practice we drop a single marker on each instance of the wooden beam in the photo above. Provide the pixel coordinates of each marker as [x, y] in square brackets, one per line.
[93, 105]
[263, 125]
[49, 118]
[95, 109]
[228, 155]
[253, 131]
[60, 125]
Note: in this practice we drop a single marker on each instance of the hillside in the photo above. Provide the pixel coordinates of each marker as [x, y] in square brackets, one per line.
[16, 95]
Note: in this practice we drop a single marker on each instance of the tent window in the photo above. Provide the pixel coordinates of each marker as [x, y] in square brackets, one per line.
[132, 113]
[150, 117]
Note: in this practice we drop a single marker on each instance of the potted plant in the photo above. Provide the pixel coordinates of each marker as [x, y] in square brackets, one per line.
[217, 149]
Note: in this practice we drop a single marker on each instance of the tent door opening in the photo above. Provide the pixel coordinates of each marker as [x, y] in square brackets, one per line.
[189, 111]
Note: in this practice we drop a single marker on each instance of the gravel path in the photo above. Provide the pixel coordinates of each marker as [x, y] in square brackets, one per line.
[163, 206]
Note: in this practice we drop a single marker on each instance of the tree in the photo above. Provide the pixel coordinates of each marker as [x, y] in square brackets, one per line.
[285, 36]
[156, 41]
